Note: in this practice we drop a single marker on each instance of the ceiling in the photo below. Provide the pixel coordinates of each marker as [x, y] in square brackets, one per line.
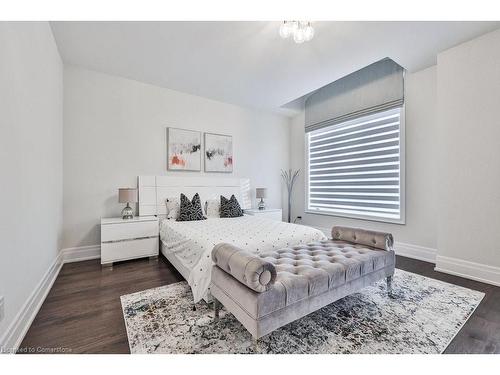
[247, 63]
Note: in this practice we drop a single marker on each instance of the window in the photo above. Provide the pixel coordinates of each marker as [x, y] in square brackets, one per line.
[356, 168]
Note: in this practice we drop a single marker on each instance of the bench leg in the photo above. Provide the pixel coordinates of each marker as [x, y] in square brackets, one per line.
[216, 309]
[389, 285]
[255, 342]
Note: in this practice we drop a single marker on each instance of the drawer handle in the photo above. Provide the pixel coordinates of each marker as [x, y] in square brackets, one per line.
[130, 239]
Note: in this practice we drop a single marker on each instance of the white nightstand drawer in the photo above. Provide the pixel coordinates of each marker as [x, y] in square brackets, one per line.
[123, 250]
[130, 230]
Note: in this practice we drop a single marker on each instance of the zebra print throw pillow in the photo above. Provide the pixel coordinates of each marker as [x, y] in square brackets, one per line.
[230, 207]
[190, 210]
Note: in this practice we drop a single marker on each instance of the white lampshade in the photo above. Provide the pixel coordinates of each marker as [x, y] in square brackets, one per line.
[260, 192]
[127, 195]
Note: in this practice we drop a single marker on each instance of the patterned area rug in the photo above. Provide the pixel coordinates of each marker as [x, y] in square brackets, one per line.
[423, 316]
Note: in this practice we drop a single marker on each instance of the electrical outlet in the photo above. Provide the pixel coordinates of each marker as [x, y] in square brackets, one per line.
[1, 308]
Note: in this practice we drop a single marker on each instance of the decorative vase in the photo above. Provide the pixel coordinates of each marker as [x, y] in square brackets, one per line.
[289, 178]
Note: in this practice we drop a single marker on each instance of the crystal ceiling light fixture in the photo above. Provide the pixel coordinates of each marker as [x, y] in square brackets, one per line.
[301, 31]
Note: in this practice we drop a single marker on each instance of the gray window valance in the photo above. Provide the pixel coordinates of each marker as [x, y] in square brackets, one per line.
[377, 87]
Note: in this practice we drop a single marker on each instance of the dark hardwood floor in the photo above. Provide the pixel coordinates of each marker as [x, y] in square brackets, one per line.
[82, 313]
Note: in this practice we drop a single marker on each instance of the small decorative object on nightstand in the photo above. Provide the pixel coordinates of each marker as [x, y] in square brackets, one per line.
[127, 195]
[261, 193]
[128, 239]
[268, 213]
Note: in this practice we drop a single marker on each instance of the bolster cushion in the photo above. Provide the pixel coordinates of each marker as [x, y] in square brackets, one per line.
[379, 240]
[245, 267]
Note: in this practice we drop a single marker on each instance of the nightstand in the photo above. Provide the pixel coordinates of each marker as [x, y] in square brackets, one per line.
[268, 213]
[128, 239]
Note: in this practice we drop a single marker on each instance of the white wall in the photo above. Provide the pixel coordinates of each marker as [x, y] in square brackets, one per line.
[421, 223]
[469, 144]
[31, 160]
[114, 130]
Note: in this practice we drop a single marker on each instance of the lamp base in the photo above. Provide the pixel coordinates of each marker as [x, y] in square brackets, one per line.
[262, 205]
[127, 213]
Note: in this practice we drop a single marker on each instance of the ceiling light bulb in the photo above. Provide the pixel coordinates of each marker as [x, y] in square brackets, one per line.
[308, 32]
[300, 31]
[298, 36]
[285, 30]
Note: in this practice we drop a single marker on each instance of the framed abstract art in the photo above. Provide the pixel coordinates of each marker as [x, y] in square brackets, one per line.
[183, 150]
[218, 153]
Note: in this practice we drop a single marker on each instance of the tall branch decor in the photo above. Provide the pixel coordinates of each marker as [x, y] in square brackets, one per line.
[289, 177]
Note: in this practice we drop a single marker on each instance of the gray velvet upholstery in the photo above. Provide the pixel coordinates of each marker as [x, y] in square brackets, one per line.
[307, 277]
[272, 321]
[379, 240]
[254, 272]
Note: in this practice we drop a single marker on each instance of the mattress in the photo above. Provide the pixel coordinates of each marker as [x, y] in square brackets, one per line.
[191, 242]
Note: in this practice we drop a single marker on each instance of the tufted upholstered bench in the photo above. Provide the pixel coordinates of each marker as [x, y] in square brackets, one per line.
[268, 290]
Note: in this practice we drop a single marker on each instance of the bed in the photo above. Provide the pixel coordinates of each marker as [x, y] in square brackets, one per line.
[188, 244]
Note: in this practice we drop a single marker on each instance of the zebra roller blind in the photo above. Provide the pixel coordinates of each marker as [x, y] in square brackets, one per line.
[354, 168]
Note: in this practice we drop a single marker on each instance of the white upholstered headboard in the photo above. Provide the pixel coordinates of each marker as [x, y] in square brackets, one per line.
[153, 190]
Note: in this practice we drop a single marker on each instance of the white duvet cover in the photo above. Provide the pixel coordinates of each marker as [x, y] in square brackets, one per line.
[192, 241]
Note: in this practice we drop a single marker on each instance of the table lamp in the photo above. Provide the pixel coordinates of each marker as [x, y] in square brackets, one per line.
[127, 195]
[261, 193]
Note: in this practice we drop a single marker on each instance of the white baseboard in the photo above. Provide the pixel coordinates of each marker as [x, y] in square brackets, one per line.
[426, 254]
[470, 270]
[81, 253]
[15, 333]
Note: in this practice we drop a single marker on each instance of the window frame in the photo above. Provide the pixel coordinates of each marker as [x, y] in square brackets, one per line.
[402, 180]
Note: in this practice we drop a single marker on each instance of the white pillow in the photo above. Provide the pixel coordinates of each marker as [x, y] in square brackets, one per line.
[173, 207]
[212, 208]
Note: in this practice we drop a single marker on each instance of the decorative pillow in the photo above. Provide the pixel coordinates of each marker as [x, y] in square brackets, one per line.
[173, 207]
[212, 208]
[191, 210]
[230, 207]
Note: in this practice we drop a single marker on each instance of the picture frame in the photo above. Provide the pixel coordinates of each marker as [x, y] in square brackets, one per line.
[218, 153]
[183, 149]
